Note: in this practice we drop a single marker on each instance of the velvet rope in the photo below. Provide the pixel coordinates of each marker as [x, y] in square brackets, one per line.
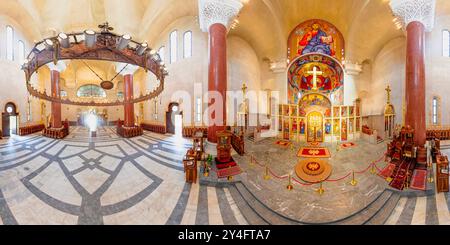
[336, 180]
[276, 176]
[301, 183]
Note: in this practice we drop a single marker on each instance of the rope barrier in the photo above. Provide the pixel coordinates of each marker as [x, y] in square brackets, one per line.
[372, 165]
[336, 180]
[276, 176]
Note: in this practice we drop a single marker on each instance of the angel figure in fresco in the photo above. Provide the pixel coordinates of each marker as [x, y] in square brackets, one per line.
[316, 41]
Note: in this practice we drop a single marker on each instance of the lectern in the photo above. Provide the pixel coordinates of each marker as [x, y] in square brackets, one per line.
[442, 174]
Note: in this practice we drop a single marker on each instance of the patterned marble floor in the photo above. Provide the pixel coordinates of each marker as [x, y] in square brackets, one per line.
[110, 180]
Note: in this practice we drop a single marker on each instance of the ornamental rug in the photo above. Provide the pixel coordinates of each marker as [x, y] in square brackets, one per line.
[283, 143]
[348, 145]
[226, 172]
[316, 152]
[419, 180]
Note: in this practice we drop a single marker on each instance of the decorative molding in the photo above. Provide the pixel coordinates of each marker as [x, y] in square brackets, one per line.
[218, 11]
[353, 68]
[278, 66]
[408, 11]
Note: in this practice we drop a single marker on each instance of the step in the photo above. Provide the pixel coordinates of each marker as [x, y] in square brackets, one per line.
[383, 214]
[367, 213]
[265, 212]
[250, 215]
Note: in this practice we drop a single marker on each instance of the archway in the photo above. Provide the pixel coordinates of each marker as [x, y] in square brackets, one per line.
[174, 119]
[10, 119]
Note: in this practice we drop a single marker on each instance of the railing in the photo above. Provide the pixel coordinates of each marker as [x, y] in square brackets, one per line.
[154, 127]
[188, 131]
[30, 129]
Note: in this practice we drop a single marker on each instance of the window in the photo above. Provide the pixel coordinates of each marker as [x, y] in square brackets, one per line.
[173, 47]
[9, 43]
[63, 93]
[21, 51]
[162, 53]
[435, 111]
[446, 43]
[198, 106]
[120, 95]
[155, 114]
[187, 44]
[91, 91]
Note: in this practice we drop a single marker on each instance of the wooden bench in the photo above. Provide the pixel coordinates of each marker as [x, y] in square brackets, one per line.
[30, 129]
[189, 131]
[154, 127]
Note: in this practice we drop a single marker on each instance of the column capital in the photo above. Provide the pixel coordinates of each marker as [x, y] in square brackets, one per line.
[59, 67]
[218, 11]
[353, 68]
[127, 69]
[408, 11]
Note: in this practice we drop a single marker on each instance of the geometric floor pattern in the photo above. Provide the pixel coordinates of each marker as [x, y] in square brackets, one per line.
[109, 180]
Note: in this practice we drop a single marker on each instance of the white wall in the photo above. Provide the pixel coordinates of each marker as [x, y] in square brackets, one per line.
[12, 80]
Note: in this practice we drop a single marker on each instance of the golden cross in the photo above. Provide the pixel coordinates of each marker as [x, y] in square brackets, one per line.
[244, 88]
[388, 90]
[315, 72]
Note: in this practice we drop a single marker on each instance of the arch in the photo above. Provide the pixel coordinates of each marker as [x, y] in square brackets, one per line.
[316, 36]
[173, 110]
[335, 70]
[91, 91]
[10, 120]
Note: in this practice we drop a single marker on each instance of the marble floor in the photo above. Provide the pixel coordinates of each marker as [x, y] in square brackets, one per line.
[110, 180]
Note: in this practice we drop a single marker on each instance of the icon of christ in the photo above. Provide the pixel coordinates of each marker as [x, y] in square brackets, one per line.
[316, 41]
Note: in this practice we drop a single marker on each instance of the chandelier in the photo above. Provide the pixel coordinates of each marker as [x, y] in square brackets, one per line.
[90, 45]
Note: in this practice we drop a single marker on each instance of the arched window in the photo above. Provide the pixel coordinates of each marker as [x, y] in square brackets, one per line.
[173, 47]
[162, 53]
[187, 44]
[435, 111]
[91, 91]
[20, 51]
[9, 43]
[446, 43]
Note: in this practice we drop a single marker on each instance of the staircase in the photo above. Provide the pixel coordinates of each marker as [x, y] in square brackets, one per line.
[257, 213]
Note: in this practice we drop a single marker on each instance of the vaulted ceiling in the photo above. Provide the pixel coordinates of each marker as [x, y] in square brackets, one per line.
[266, 24]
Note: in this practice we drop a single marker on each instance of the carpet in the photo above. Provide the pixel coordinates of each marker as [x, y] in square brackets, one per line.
[313, 170]
[226, 172]
[388, 171]
[316, 152]
[223, 165]
[348, 145]
[419, 180]
[283, 143]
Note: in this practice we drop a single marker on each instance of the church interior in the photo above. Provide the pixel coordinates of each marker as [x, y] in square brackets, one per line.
[224, 112]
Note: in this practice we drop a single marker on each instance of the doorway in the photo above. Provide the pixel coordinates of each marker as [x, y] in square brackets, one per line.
[314, 132]
[9, 120]
[174, 119]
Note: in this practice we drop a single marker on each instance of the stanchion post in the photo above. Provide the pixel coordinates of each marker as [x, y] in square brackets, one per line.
[373, 171]
[251, 161]
[290, 187]
[430, 169]
[321, 190]
[266, 174]
[354, 182]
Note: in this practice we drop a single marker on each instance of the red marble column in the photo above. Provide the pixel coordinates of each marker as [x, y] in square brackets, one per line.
[415, 80]
[128, 105]
[217, 77]
[56, 107]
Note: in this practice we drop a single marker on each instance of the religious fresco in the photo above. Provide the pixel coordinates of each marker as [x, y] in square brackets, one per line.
[316, 36]
[314, 73]
[315, 101]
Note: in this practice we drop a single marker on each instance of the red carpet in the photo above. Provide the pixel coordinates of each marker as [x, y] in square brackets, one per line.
[223, 165]
[348, 145]
[388, 171]
[419, 180]
[283, 143]
[317, 152]
[226, 172]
